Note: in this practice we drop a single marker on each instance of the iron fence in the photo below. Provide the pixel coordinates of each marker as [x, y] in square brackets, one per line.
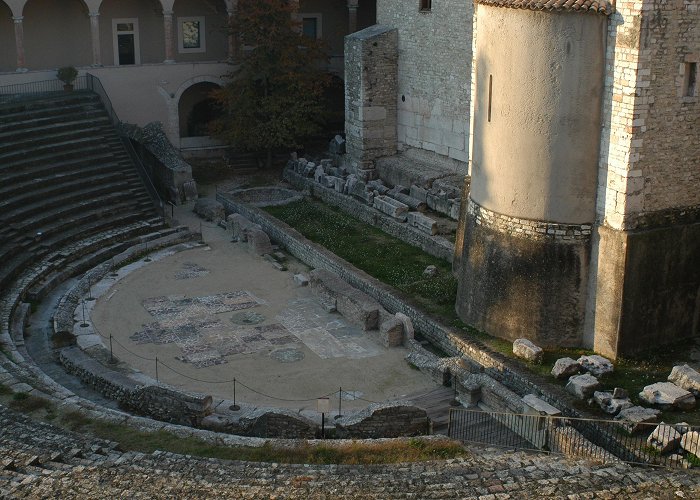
[33, 89]
[668, 445]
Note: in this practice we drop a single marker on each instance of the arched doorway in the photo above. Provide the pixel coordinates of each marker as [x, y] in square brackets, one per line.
[196, 109]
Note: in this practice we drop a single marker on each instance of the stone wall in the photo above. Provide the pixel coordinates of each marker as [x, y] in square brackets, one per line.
[370, 95]
[384, 420]
[433, 73]
[157, 402]
[650, 150]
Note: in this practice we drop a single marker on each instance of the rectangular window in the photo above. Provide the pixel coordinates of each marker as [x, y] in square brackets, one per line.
[311, 25]
[191, 35]
[690, 85]
[426, 5]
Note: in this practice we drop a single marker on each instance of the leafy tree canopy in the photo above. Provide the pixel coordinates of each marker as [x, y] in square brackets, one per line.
[275, 95]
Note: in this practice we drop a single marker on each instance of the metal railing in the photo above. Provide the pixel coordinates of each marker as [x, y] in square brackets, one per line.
[599, 440]
[44, 87]
[95, 85]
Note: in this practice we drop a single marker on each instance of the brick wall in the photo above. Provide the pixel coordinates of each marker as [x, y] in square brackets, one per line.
[434, 73]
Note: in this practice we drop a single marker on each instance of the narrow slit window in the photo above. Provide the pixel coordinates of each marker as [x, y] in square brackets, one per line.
[691, 79]
[490, 96]
[426, 5]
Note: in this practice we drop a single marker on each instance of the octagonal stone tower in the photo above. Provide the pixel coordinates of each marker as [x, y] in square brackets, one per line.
[538, 74]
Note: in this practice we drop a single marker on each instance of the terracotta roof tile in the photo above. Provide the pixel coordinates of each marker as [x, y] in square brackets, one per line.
[595, 6]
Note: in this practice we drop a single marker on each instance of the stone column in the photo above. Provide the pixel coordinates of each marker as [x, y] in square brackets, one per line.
[19, 43]
[232, 39]
[168, 25]
[352, 16]
[95, 35]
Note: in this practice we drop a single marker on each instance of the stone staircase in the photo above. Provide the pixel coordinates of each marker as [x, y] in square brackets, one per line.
[66, 178]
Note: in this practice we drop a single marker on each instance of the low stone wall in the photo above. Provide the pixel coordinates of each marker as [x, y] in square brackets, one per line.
[441, 370]
[278, 423]
[384, 420]
[157, 402]
[436, 246]
[570, 442]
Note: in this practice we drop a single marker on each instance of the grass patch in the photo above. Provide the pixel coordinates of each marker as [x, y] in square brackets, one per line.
[4, 390]
[26, 403]
[384, 257]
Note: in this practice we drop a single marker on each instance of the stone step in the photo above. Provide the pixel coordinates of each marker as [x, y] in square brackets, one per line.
[95, 159]
[71, 113]
[55, 139]
[33, 135]
[48, 152]
[77, 199]
[63, 186]
[50, 101]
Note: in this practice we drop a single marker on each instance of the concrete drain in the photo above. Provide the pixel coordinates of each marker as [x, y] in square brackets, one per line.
[287, 355]
[247, 318]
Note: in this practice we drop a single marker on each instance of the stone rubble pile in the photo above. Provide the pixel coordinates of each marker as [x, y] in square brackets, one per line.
[402, 203]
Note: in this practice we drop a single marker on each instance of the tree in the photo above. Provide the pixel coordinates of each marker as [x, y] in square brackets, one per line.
[275, 95]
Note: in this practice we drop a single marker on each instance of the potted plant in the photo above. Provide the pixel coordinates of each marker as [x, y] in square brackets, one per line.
[67, 75]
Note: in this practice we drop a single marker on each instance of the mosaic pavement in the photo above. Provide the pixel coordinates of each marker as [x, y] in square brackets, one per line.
[206, 338]
[190, 270]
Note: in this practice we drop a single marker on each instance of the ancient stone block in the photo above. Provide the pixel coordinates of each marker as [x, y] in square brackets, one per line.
[582, 386]
[412, 203]
[337, 145]
[419, 193]
[258, 242]
[422, 222]
[596, 365]
[634, 419]
[384, 420]
[319, 174]
[430, 271]
[667, 395]
[686, 378]
[210, 210]
[391, 207]
[534, 404]
[301, 280]
[526, 350]
[189, 189]
[610, 404]
[391, 332]
[690, 442]
[377, 185]
[438, 201]
[565, 367]
[409, 332]
[353, 304]
[239, 227]
[664, 438]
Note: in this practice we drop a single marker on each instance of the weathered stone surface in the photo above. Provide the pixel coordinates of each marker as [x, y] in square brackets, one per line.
[408, 330]
[384, 420]
[189, 190]
[337, 145]
[319, 174]
[391, 207]
[690, 442]
[391, 332]
[534, 404]
[258, 242]
[667, 395]
[565, 367]
[686, 378]
[239, 226]
[438, 201]
[610, 404]
[210, 210]
[413, 203]
[526, 350]
[277, 422]
[596, 365]
[664, 438]
[430, 271]
[620, 393]
[419, 193]
[356, 306]
[378, 186]
[301, 280]
[634, 419]
[582, 386]
[423, 222]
